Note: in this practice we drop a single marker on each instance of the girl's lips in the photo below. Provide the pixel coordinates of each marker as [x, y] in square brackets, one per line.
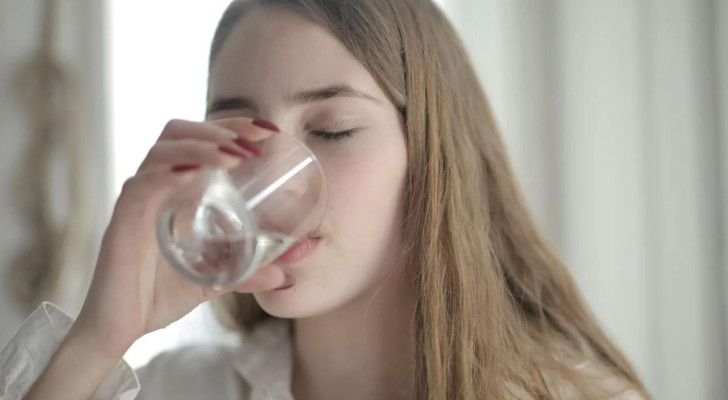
[301, 249]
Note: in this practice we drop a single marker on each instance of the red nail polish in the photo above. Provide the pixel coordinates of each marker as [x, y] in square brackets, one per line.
[185, 168]
[266, 125]
[232, 152]
[248, 146]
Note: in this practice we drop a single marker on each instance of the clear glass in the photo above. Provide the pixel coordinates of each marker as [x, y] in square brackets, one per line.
[221, 227]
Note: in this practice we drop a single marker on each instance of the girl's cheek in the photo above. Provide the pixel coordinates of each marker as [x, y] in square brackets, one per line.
[359, 170]
[346, 168]
[352, 182]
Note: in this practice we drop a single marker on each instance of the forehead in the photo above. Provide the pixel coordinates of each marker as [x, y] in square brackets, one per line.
[274, 51]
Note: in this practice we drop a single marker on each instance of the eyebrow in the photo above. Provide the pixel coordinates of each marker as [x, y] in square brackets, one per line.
[230, 103]
[309, 96]
[302, 97]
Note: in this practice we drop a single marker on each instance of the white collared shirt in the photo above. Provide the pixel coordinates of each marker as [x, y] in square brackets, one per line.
[259, 370]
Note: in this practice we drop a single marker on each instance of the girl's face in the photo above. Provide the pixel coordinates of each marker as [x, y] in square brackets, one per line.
[278, 66]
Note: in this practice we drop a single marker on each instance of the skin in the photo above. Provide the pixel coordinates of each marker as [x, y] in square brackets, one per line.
[351, 300]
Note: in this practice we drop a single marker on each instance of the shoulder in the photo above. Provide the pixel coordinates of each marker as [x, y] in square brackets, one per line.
[189, 372]
[628, 394]
[186, 360]
[218, 370]
[189, 358]
[580, 374]
[605, 383]
[618, 387]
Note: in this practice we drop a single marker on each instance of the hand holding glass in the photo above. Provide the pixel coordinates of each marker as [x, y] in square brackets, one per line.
[221, 227]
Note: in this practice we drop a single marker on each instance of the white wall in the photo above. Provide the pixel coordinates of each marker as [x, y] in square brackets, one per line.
[16, 37]
[80, 47]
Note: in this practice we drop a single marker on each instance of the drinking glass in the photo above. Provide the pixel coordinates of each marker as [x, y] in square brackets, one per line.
[223, 225]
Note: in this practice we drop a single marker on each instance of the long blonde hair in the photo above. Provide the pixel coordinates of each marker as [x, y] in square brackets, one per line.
[498, 316]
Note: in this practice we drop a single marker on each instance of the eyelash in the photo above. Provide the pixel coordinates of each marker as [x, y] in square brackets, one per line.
[326, 135]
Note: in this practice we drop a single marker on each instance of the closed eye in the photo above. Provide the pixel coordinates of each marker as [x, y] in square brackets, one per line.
[327, 135]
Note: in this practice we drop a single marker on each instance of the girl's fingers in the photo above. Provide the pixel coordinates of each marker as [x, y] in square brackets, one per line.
[181, 129]
[233, 133]
[143, 195]
[221, 131]
[234, 137]
[246, 128]
[186, 152]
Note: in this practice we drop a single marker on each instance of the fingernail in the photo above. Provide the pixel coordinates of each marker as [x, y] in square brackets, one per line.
[266, 125]
[248, 146]
[185, 168]
[232, 152]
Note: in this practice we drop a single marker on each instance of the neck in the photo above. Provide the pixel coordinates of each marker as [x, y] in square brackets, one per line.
[364, 350]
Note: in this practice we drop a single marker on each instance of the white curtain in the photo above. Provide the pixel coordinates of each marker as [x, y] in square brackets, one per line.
[616, 116]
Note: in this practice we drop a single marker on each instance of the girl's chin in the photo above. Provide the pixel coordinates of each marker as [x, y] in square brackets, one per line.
[280, 302]
[289, 302]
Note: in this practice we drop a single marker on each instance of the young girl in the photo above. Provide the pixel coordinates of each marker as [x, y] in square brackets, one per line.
[427, 279]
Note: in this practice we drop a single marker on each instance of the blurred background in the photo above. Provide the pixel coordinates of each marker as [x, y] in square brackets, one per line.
[615, 113]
